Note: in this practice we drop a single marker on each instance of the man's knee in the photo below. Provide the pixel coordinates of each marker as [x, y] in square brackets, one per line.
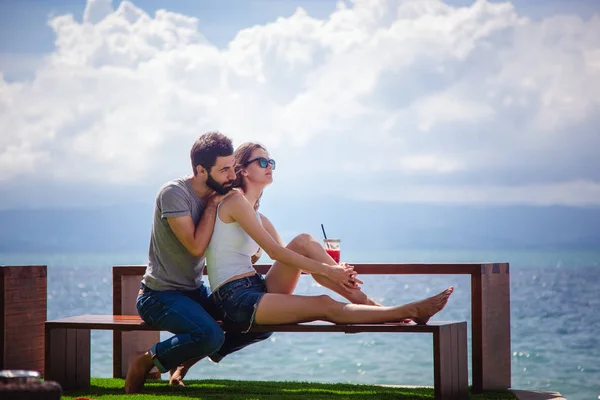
[208, 340]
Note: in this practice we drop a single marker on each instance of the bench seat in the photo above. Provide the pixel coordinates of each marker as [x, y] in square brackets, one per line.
[68, 346]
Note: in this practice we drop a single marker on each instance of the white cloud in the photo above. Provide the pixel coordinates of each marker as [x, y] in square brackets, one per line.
[474, 100]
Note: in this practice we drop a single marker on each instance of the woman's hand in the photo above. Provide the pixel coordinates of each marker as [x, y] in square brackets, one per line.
[353, 281]
[344, 274]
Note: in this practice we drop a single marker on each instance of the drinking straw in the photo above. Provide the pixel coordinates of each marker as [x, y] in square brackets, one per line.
[323, 229]
[325, 235]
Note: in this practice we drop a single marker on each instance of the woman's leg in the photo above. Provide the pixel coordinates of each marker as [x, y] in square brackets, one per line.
[275, 308]
[282, 278]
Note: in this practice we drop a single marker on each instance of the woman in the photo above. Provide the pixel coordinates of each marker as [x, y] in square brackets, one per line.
[246, 298]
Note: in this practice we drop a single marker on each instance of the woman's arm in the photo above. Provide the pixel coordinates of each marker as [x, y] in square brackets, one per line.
[272, 231]
[240, 210]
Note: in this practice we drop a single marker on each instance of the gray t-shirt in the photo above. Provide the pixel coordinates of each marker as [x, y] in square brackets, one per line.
[170, 264]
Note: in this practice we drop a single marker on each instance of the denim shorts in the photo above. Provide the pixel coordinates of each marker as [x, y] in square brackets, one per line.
[239, 299]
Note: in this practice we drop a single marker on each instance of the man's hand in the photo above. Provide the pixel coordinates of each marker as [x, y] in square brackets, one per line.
[256, 256]
[214, 198]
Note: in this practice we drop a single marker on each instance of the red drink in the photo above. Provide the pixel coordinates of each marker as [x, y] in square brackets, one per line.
[335, 254]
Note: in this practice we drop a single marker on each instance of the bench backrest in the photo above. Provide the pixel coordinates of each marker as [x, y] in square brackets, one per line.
[126, 278]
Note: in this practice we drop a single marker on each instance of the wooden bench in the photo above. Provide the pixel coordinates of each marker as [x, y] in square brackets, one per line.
[68, 347]
[490, 315]
[490, 323]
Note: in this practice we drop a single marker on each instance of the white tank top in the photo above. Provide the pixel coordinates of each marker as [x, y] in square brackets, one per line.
[229, 252]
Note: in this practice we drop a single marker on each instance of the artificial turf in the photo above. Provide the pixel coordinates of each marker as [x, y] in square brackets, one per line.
[107, 388]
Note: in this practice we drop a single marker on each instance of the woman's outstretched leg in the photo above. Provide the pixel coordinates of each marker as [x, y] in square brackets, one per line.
[282, 278]
[276, 308]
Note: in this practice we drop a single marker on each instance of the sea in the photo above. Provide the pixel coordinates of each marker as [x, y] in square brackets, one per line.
[555, 320]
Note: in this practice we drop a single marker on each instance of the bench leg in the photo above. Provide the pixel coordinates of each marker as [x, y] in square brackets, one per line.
[451, 379]
[127, 344]
[490, 313]
[67, 358]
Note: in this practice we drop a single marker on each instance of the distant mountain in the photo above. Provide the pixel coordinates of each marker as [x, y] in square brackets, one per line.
[389, 226]
[126, 227]
[110, 228]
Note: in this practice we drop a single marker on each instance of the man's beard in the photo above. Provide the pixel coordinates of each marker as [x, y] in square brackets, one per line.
[218, 187]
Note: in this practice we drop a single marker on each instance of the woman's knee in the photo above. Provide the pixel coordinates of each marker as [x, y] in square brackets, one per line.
[329, 306]
[300, 242]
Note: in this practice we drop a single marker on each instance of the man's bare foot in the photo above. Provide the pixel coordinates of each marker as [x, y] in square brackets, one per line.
[176, 376]
[139, 366]
[425, 309]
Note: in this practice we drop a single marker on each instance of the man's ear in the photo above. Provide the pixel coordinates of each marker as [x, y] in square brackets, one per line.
[200, 170]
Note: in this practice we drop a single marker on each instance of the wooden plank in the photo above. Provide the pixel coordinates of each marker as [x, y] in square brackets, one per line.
[361, 268]
[133, 343]
[117, 273]
[437, 365]
[129, 270]
[2, 323]
[452, 353]
[495, 326]
[55, 354]
[462, 360]
[83, 355]
[70, 381]
[446, 376]
[476, 333]
[402, 269]
[127, 323]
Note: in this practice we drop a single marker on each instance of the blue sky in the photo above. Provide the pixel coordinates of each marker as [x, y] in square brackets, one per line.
[446, 102]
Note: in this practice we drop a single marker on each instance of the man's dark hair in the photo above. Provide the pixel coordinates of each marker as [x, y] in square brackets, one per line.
[207, 148]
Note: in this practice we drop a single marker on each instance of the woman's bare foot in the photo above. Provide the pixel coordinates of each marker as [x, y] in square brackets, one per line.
[176, 376]
[139, 366]
[425, 309]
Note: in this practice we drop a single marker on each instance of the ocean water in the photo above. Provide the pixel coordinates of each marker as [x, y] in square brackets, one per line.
[555, 321]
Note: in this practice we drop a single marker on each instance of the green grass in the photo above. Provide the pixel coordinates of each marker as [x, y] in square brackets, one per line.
[106, 388]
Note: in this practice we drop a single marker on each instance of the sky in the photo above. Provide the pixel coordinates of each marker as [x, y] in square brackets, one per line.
[456, 102]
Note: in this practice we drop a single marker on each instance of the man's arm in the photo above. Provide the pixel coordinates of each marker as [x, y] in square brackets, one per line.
[196, 238]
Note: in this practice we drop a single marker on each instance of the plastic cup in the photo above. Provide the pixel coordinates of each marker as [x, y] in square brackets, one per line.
[332, 247]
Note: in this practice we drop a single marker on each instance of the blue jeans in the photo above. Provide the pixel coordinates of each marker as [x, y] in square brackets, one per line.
[239, 299]
[191, 316]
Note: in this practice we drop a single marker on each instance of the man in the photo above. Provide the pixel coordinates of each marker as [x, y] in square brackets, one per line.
[173, 296]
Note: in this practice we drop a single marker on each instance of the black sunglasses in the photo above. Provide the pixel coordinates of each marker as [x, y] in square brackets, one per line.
[263, 162]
